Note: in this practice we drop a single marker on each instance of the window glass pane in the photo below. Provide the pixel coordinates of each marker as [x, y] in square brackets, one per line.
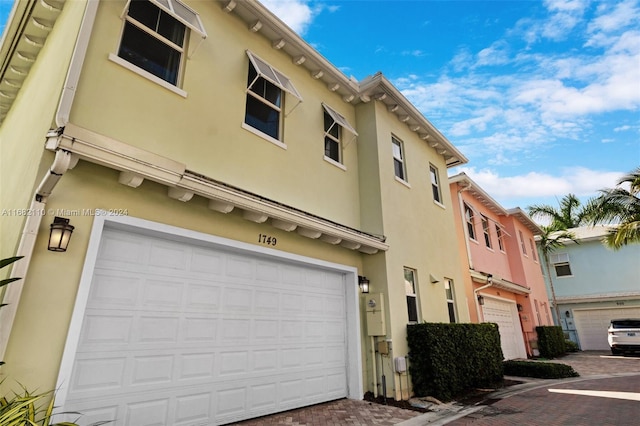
[563, 269]
[452, 312]
[409, 282]
[149, 53]
[332, 149]
[398, 169]
[263, 88]
[412, 309]
[171, 29]
[397, 150]
[331, 126]
[448, 290]
[262, 117]
[144, 12]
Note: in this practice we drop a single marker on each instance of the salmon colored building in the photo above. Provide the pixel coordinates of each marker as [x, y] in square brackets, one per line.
[504, 282]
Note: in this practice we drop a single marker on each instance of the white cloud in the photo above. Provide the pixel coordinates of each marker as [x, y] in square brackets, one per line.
[580, 181]
[297, 14]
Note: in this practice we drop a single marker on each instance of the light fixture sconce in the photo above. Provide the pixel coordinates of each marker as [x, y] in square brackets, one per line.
[480, 299]
[433, 279]
[60, 234]
[520, 307]
[489, 278]
[363, 282]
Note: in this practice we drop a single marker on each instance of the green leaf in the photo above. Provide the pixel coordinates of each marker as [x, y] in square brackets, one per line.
[9, 261]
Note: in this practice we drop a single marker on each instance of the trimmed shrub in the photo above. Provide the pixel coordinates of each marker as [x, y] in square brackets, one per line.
[571, 346]
[551, 341]
[539, 369]
[450, 359]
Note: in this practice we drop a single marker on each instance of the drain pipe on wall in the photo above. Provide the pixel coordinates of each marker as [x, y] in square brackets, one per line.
[477, 290]
[62, 162]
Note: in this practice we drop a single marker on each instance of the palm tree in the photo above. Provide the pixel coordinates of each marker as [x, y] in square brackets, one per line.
[571, 213]
[551, 239]
[620, 206]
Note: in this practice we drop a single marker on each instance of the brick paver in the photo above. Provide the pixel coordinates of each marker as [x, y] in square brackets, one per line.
[532, 407]
[337, 413]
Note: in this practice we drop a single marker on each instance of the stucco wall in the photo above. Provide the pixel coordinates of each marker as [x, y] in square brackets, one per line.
[204, 129]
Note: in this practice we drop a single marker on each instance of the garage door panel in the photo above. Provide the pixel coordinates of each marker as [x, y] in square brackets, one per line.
[505, 315]
[195, 333]
[592, 325]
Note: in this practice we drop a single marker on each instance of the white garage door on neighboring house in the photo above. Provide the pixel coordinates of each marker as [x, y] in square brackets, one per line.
[177, 333]
[592, 325]
[505, 314]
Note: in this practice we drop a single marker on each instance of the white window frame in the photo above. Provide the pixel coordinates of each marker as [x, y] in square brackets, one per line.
[183, 14]
[469, 216]
[522, 243]
[342, 123]
[399, 158]
[500, 236]
[435, 184]
[560, 259]
[486, 231]
[533, 250]
[411, 293]
[451, 301]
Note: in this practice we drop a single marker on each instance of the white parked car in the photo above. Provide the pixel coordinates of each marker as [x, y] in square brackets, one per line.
[624, 335]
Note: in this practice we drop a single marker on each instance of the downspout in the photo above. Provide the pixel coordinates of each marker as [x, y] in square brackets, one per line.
[477, 290]
[62, 162]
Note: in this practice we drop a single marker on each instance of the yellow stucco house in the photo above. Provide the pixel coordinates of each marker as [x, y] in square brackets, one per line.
[231, 194]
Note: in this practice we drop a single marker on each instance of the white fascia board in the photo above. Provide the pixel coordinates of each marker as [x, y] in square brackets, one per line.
[114, 154]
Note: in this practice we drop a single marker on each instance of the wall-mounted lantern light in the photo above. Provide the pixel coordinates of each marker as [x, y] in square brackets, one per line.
[567, 314]
[363, 282]
[520, 307]
[480, 299]
[60, 234]
[489, 278]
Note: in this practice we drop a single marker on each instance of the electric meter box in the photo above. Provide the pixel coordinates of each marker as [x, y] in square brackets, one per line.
[376, 325]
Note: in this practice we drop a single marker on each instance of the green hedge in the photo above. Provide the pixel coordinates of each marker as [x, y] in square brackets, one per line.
[539, 369]
[551, 341]
[450, 359]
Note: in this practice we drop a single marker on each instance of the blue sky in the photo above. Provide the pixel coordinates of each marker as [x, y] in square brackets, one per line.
[542, 97]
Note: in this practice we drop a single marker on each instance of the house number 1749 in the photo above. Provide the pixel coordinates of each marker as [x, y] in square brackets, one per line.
[267, 239]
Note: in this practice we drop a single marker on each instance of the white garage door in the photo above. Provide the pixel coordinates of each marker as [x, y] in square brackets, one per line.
[505, 314]
[592, 325]
[180, 334]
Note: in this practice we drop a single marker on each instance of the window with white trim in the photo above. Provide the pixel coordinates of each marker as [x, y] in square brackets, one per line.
[533, 249]
[410, 291]
[435, 183]
[561, 264]
[469, 218]
[451, 299]
[265, 97]
[334, 122]
[485, 231]
[399, 167]
[154, 36]
[500, 236]
[522, 243]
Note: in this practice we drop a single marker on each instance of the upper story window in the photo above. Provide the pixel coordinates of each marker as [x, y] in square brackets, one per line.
[522, 244]
[561, 264]
[265, 95]
[410, 291]
[500, 236]
[451, 299]
[334, 123]
[399, 167]
[485, 231]
[469, 218]
[435, 183]
[154, 36]
[533, 249]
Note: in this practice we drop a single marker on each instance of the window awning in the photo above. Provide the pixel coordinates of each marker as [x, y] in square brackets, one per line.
[272, 75]
[339, 119]
[182, 13]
